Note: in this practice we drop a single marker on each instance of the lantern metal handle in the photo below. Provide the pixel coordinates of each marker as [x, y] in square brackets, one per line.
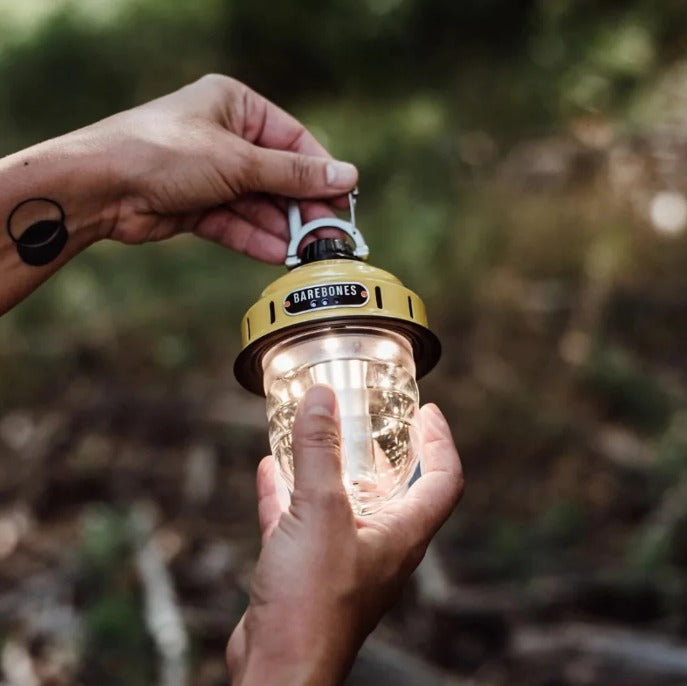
[299, 231]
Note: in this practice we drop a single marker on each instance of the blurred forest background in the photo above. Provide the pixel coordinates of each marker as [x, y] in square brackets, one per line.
[522, 168]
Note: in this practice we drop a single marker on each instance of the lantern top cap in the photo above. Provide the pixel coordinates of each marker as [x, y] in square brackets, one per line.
[298, 231]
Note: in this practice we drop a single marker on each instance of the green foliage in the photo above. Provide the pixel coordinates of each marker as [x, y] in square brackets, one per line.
[671, 452]
[628, 393]
[394, 85]
[106, 538]
[116, 647]
[518, 549]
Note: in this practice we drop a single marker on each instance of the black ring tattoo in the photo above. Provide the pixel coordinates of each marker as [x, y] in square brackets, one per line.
[42, 241]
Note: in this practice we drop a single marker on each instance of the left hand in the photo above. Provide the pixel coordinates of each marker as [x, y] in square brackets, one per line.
[214, 158]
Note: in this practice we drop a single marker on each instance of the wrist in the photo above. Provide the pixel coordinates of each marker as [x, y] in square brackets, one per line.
[299, 651]
[264, 670]
[71, 172]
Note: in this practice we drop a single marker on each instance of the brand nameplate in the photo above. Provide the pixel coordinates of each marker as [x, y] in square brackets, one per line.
[324, 296]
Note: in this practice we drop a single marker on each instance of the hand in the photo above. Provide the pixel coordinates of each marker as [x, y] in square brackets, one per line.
[324, 577]
[214, 158]
[210, 158]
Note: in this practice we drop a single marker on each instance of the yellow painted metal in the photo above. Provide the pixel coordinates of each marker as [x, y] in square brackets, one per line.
[268, 316]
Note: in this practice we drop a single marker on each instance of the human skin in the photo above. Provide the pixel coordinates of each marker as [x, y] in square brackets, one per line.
[214, 158]
[325, 577]
[218, 160]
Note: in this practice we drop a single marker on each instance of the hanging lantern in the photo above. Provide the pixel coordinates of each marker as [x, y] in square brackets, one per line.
[335, 320]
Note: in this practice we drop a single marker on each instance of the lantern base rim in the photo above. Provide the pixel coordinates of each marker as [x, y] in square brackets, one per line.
[426, 346]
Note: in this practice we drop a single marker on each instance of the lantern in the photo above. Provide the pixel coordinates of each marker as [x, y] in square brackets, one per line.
[336, 320]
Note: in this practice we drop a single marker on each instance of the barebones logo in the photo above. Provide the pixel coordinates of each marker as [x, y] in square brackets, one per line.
[326, 295]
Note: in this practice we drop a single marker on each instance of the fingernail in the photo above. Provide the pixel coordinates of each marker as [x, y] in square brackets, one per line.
[319, 401]
[341, 174]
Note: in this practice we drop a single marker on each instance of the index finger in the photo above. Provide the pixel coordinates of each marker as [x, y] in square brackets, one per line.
[269, 126]
[432, 498]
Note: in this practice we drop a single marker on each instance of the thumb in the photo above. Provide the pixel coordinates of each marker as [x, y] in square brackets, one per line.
[295, 175]
[317, 442]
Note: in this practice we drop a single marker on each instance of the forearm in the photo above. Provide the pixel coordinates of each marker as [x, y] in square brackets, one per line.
[56, 198]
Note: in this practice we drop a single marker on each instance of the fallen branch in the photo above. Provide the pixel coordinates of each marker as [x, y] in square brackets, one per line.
[642, 651]
[380, 662]
[162, 613]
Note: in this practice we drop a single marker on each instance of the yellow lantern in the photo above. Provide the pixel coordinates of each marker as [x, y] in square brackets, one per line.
[336, 320]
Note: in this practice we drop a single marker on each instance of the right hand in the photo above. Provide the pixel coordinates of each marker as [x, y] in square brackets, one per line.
[325, 577]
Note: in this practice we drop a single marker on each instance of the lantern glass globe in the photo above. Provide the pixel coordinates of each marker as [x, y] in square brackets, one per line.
[372, 372]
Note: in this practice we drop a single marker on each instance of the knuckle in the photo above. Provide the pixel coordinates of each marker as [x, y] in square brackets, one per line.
[331, 501]
[226, 97]
[216, 80]
[301, 170]
[317, 432]
[321, 437]
[249, 169]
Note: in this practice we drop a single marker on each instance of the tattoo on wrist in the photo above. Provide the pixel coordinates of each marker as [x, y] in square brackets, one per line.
[37, 229]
